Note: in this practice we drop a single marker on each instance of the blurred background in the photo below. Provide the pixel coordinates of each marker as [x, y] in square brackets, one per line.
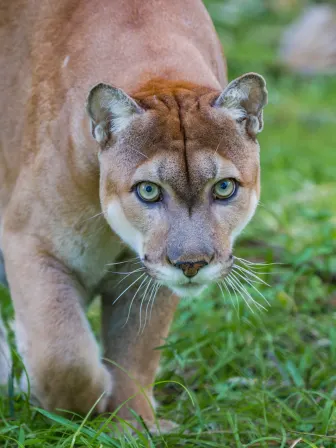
[256, 377]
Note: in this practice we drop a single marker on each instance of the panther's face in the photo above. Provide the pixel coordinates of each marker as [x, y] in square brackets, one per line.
[180, 173]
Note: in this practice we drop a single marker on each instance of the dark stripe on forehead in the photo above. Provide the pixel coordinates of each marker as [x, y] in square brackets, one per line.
[183, 133]
[187, 187]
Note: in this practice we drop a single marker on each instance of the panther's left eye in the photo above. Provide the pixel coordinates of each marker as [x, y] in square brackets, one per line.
[224, 189]
[148, 192]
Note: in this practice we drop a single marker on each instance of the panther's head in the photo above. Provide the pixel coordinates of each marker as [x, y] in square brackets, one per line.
[179, 167]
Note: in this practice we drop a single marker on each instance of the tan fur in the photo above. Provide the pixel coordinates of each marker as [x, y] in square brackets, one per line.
[61, 192]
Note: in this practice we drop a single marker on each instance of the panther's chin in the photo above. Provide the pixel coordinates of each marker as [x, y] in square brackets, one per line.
[188, 290]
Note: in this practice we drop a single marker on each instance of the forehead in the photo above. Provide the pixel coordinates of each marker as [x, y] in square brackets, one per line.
[193, 148]
[183, 174]
[184, 142]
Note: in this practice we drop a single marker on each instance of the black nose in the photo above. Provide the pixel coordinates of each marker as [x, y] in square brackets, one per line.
[190, 268]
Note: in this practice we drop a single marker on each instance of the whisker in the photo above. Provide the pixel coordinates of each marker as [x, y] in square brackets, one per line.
[122, 262]
[128, 287]
[220, 141]
[124, 273]
[227, 289]
[252, 274]
[148, 303]
[156, 292]
[92, 217]
[142, 300]
[236, 268]
[257, 270]
[133, 272]
[255, 263]
[243, 289]
[130, 307]
[139, 152]
[221, 289]
[246, 296]
[251, 284]
[230, 285]
[230, 282]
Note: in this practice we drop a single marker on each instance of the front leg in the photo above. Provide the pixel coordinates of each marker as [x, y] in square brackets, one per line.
[59, 351]
[130, 342]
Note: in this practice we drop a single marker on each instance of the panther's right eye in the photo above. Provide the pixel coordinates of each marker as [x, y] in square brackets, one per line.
[149, 192]
[224, 189]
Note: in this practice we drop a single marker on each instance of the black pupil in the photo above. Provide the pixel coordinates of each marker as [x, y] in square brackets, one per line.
[149, 188]
[224, 185]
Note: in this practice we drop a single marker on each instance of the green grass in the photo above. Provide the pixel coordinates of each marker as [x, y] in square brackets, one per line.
[233, 378]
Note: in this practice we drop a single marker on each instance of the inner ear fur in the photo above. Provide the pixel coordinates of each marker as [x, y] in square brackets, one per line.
[111, 110]
[244, 99]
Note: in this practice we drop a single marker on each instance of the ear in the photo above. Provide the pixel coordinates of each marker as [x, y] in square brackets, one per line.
[111, 110]
[244, 99]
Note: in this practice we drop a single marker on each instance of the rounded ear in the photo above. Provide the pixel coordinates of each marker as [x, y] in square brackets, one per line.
[244, 99]
[111, 110]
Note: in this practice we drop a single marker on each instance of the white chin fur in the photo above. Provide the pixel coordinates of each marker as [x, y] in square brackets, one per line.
[191, 291]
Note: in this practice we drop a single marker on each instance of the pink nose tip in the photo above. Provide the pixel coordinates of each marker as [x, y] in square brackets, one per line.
[190, 269]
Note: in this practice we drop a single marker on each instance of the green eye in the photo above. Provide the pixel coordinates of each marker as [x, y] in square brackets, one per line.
[224, 189]
[148, 192]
